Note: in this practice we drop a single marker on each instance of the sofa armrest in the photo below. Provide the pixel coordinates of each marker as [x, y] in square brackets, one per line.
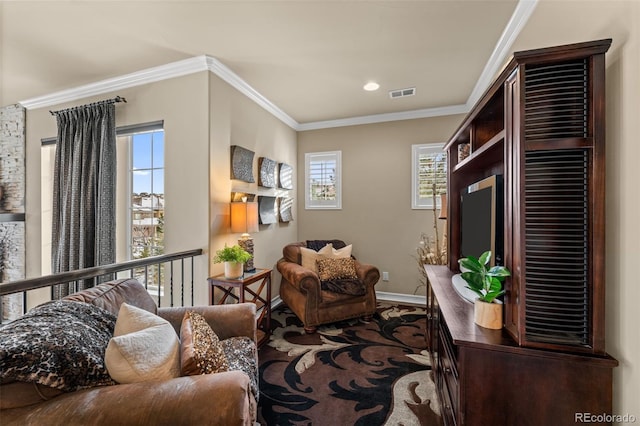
[300, 277]
[369, 274]
[208, 399]
[230, 320]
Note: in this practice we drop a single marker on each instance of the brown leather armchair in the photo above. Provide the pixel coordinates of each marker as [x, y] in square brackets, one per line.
[301, 291]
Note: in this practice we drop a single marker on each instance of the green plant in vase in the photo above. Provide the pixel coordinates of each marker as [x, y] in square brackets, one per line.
[233, 258]
[487, 284]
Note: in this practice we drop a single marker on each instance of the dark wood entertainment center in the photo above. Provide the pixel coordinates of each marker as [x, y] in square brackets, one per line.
[540, 126]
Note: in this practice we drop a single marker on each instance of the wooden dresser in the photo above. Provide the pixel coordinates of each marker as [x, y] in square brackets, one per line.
[484, 378]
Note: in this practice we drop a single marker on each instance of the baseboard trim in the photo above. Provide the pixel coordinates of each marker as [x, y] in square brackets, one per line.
[383, 296]
[407, 299]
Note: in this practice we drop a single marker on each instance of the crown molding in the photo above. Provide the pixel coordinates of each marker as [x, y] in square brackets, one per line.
[225, 73]
[382, 118]
[516, 23]
[521, 14]
[149, 75]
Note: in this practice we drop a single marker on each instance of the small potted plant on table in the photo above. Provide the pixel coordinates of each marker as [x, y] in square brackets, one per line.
[233, 258]
[487, 284]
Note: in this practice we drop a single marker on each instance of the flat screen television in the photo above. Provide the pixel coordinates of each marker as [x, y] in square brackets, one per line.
[481, 226]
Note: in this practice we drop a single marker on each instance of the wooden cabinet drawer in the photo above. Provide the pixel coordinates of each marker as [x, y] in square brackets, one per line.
[449, 372]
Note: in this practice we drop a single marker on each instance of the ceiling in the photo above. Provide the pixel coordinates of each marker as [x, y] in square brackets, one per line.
[309, 59]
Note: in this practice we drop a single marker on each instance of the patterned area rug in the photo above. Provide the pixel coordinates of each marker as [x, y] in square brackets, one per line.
[348, 373]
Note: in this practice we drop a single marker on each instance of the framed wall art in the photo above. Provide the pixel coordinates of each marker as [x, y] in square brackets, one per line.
[267, 176]
[285, 176]
[242, 164]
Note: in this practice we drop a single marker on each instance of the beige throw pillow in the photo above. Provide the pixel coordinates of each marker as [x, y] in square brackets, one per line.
[342, 253]
[144, 347]
[310, 257]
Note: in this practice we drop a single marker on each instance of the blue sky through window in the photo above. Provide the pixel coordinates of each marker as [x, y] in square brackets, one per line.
[148, 162]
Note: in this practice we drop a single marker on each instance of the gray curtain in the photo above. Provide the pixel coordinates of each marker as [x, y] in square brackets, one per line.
[84, 191]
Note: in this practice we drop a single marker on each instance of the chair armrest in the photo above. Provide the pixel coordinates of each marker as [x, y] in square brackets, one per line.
[369, 274]
[300, 277]
[207, 399]
[226, 320]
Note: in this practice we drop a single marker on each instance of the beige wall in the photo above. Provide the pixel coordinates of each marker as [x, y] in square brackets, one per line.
[236, 120]
[560, 22]
[202, 116]
[376, 215]
[183, 105]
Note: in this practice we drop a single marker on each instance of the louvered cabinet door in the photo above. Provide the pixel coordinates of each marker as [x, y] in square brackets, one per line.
[561, 293]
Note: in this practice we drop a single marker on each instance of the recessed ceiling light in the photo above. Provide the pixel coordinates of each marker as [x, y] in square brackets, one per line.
[371, 86]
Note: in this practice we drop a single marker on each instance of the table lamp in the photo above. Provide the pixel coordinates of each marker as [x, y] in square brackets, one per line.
[244, 219]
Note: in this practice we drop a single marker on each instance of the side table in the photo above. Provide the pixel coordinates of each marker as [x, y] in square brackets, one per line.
[261, 278]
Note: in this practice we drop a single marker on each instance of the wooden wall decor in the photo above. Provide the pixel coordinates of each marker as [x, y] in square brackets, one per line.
[242, 164]
[267, 209]
[285, 176]
[267, 175]
[285, 205]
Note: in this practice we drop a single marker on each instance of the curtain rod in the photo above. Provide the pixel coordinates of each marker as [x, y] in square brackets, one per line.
[106, 101]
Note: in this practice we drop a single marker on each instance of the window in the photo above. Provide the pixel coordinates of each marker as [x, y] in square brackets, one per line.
[323, 180]
[147, 194]
[429, 175]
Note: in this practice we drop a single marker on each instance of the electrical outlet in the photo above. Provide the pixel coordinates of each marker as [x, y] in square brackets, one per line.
[385, 276]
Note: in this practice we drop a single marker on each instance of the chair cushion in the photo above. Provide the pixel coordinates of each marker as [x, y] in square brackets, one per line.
[348, 286]
[144, 347]
[200, 349]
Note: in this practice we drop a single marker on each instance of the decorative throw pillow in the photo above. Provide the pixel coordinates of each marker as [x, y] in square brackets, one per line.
[341, 253]
[144, 347]
[318, 244]
[241, 354]
[336, 269]
[59, 344]
[200, 348]
[309, 257]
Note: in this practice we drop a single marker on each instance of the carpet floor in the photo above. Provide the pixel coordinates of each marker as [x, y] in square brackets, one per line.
[348, 373]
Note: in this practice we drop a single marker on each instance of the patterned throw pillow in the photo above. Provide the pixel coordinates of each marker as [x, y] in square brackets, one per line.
[200, 348]
[58, 344]
[336, 269]
[241, 355]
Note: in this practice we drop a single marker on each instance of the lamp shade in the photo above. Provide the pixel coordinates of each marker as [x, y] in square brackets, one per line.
[244, 217]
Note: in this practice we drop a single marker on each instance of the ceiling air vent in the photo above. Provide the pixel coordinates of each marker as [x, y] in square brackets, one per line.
[401, 93]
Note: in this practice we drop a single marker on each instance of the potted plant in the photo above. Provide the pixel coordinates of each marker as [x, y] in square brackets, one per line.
[233, 258]
[487, 284]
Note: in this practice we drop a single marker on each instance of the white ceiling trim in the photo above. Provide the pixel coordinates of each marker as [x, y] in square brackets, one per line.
[521, 14]
[225, 73]
[382, 118]
[138, 78]
[498, 57]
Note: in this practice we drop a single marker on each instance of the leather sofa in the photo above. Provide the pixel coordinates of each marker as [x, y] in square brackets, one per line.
[301, 291]
[209, 399]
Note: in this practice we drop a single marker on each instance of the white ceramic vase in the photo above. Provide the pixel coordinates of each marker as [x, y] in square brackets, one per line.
[233, 270]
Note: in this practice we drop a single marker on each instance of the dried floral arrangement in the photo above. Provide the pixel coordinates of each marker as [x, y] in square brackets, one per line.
[430, 250]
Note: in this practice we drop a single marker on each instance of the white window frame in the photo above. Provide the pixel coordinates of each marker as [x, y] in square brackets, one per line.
[310, 204]
[417, 151]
